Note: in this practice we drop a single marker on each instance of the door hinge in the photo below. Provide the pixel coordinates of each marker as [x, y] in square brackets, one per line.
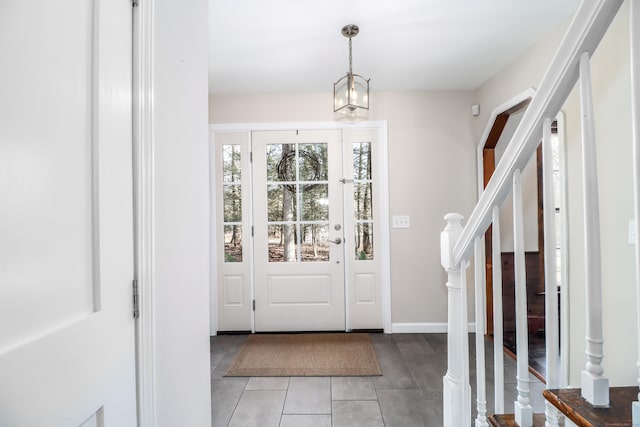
[135, 3]
[250, 156]
[252, 231]
[136, 300]
[254, 305]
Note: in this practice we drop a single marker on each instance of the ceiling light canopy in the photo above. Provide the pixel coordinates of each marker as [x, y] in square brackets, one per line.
[351, 92]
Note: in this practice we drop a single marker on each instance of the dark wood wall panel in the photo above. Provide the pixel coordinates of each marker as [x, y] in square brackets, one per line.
[535, 298]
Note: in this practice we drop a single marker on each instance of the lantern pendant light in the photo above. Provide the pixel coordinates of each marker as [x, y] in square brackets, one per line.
[351, 92]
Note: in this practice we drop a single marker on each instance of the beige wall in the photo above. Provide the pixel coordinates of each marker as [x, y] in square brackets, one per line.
[610, 68]
[431, 172]
[524, 73]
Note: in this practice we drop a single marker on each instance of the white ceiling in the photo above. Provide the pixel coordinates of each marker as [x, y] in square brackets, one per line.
[267, 46]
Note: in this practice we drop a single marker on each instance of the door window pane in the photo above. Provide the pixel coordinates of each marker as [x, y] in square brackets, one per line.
[282, 243]
[232, 202]
[231, 157]
[315, 203]
[364, 241]
[281, 162]
[315, 242]
[312, 161]
[297, 202]
[233, 243]
[362, 161]
[363, 201]
[282, 203]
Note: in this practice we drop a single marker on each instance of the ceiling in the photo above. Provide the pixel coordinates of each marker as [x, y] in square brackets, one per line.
[288, 46]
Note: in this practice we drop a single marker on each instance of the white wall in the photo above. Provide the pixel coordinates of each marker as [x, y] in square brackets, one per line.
[181, 220]
[431, 169]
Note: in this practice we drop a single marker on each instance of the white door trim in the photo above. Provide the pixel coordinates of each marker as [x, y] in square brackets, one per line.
[143, 176]
[383, 160]
[213, 238]
[507, 105]
[154, 21]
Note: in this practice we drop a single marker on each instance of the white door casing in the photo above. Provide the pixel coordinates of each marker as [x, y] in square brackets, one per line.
[66, 251]
[367, 282]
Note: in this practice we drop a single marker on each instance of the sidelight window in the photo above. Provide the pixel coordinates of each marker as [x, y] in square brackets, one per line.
[232, 202]
[363, 200]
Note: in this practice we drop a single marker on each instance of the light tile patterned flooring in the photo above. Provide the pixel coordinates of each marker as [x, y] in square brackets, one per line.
[409, 393]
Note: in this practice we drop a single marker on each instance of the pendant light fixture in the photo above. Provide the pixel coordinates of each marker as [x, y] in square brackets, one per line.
[351, 92]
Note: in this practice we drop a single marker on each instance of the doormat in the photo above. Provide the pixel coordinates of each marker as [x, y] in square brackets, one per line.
[305, 355]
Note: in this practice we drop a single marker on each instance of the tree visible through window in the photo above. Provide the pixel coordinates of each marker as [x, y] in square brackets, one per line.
[363, 198]
[298, 202]
[232, 202]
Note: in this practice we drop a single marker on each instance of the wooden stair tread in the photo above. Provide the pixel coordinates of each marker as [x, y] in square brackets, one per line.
[509, 420]
[583, 414]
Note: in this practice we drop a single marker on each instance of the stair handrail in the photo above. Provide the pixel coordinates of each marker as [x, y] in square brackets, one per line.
[587, 28]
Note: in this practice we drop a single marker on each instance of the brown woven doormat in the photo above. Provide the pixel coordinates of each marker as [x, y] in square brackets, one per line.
[305, 355]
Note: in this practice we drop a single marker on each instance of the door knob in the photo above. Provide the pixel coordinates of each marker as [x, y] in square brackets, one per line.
[337, 241]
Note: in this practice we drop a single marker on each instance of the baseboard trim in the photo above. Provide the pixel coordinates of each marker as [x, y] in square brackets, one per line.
[423, 328]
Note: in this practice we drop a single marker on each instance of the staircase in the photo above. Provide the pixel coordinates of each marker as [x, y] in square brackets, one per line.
[594, 403]
[508, 420]
[571, 404]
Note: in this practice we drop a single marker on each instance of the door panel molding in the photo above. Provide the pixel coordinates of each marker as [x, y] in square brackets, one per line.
[69, 234]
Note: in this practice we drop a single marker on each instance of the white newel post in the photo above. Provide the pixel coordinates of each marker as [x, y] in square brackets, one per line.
[456, 388]
[635, 125]
[595, 386]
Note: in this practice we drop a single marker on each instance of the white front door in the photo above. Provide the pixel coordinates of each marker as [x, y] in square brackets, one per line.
[66, 256]
[304, 185]
[298, 230]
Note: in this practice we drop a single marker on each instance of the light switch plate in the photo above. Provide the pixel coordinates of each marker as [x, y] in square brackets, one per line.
[401, 221]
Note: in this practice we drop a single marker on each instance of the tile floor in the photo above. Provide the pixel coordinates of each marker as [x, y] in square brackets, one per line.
[409, 393]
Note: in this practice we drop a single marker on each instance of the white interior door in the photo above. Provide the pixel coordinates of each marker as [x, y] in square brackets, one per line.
[66, 256]
[298, 231]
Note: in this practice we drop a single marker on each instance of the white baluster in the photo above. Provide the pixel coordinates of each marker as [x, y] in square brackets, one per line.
[464, 321]
[635, 125]
[550, 280]
[595, 386]
[498, 344]
[479, 262]
[523, 410]
[456, 390]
